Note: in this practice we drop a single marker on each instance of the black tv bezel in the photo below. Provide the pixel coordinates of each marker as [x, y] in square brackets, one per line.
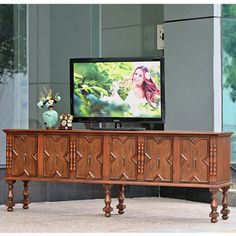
[117, 119]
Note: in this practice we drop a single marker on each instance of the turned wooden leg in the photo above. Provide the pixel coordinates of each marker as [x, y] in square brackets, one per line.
[10, 204]
[121, 197]
[26, 201]
[107, 209]
[214, 204]
[225, 211]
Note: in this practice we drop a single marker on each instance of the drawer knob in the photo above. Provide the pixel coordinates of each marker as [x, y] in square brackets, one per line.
[24, 157]
[123, 161]
[89, 160]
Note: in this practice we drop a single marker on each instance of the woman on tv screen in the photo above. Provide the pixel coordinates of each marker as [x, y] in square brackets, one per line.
[117, 89]
[142, 92]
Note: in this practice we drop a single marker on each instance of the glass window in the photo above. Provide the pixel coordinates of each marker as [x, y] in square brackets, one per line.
[228, 34]
[229, 72]
[13, 70]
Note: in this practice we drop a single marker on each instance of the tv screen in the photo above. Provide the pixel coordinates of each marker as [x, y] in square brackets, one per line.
[117, 89]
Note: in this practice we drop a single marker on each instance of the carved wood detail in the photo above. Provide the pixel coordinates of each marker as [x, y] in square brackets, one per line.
[89, 157]
[9, 153]
[124, 158]
[158, 159]
[194, 160]
[24, 156]
[72, 155]
[56, 156]
[213, 151]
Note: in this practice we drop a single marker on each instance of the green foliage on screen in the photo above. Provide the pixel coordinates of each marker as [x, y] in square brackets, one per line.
[94, 81]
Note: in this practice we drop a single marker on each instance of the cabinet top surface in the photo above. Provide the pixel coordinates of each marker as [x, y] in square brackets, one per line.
[111, 132]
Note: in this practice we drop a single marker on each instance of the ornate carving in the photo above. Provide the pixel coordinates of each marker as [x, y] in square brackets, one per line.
[158, 139]
[26, 201]
[55, 138]
[123, 139]
[139, 158]
[107, 209]
[9, 154]
[158, 155]
[142, 157]
[90, 175]
[89, 157]
[194, 164]
[25, 172]
[90, 138]
[121, 197]
[72, 155]
[213, 151]
[214, 204]
[194, 140]
[125, 158]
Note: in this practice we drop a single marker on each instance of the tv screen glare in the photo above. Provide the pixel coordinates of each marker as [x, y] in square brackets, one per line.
[117, 89]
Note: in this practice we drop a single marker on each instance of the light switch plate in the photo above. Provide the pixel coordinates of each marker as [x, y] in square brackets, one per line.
[160, 37]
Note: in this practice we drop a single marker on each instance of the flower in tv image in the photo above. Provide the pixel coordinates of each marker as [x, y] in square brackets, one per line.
[117, 89]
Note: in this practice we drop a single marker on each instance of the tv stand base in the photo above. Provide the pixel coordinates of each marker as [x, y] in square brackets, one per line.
[121, 198]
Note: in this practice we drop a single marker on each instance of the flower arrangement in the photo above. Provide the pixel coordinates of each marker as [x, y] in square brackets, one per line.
[47, 99]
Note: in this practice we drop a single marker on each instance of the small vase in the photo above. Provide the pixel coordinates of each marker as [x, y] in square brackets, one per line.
[50, 118]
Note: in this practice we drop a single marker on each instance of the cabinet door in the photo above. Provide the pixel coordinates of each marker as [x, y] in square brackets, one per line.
[158, 154]
[24, 155]
[89, 157]
[56, 156]
[194, 160]
[123, 158]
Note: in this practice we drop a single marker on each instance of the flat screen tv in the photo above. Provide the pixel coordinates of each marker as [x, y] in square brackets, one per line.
[117, 90]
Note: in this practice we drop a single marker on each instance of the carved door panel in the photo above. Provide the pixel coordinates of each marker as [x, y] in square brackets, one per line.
[123, 158]
[89, 161]
[56, 156]
[158, 154]
[194, 160]
[24, 155]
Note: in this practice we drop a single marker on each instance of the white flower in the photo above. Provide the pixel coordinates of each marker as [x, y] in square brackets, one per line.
[58, 98]
[40, 104]
[47, 99]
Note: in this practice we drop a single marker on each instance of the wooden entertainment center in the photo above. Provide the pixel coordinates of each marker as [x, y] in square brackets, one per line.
[152, 158]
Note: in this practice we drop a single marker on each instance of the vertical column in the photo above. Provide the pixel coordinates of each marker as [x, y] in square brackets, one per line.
[9, 155]
[73, 155]
[213, 162]
[141, 158]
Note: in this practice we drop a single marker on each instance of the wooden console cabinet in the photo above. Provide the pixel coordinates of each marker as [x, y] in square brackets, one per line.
[154, 158]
